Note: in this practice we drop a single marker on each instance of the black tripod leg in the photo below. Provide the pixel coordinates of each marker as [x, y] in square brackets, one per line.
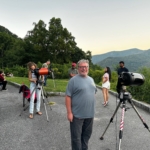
[23, 110]
[45, 94]
[26, 107]
[53, 79]
[111, 120]
[44, 103]
[146, 126]
[24, 102]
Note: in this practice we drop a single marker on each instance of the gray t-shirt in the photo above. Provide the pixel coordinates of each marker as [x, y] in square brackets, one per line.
[45, 65]
[82, 92]
[73, 71]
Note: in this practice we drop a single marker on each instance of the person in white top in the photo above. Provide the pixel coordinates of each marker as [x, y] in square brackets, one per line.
[33, 90]
[106, 84]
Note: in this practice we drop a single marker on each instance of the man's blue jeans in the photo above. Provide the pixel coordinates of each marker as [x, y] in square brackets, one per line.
[81, 130]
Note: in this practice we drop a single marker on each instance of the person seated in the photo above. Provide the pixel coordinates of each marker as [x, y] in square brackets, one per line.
[3, 81]
[9, 75]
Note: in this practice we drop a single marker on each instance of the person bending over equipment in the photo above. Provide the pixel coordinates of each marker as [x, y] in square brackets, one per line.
[33, 89]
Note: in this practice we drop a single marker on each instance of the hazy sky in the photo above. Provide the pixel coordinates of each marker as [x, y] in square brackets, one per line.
[97, 25]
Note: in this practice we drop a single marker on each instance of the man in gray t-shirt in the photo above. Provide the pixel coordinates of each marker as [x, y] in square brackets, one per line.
[80, 105]
[72, 71]
[45, 65]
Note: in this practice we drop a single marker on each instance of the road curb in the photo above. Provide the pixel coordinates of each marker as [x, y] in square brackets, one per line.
[48, 93]
[139, 104]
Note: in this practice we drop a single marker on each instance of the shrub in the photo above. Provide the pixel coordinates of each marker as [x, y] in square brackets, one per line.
[142, 92]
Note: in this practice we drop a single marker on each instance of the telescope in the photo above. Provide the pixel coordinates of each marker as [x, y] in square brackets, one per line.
[126, 79]
[42, 71]
[130, 78]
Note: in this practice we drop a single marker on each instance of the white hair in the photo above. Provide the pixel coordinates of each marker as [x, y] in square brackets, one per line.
[83, 61]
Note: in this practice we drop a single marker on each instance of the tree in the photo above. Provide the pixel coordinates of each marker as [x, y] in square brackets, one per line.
[77, 55]
[15, 55]
[37, 38]
[61, 42]
[40, 44]
[89, 56]
[6, 31]
[6, 44]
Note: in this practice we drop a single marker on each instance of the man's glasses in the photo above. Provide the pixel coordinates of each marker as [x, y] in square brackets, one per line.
[81, 67]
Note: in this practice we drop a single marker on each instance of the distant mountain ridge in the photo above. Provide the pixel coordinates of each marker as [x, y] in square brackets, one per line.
[5, 30]
[100, 57]
[133, 58]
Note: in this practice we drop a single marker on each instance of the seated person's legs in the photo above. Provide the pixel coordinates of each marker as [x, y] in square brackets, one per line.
[4, 83]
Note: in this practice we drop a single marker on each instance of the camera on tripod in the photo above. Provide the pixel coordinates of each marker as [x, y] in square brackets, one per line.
[126, 79]
[130, 78]
[42, 71]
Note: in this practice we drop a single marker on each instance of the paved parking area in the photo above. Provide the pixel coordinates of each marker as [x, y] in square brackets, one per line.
[21, 133]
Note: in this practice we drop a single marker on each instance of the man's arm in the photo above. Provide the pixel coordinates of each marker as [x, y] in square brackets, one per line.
[70, 73]
[73, 74]
[43, 66]
[68, 107]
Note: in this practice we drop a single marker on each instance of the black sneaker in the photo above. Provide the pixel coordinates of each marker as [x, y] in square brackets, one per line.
[4, 90]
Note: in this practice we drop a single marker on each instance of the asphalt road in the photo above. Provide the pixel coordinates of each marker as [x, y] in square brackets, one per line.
[21, 133]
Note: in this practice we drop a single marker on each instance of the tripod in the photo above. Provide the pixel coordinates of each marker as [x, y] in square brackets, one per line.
[53, 78]
[124, 96]
[39, 86]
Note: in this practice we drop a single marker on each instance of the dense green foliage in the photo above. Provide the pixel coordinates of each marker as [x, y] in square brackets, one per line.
[142, 92]
[60, 71]
[40, 44]
[56, 85]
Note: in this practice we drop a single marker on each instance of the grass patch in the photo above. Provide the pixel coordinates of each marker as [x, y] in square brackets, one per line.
[56, 85]
[51, 103]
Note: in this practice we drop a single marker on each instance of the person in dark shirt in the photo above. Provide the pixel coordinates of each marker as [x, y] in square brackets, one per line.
[3, 81]
[120, 70]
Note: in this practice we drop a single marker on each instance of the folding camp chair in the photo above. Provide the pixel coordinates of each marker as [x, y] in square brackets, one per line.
[26, 96]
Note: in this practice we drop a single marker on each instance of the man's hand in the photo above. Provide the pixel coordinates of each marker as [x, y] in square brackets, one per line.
[34, 80]
[72, 75]
[68, 107]
[70, 117]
